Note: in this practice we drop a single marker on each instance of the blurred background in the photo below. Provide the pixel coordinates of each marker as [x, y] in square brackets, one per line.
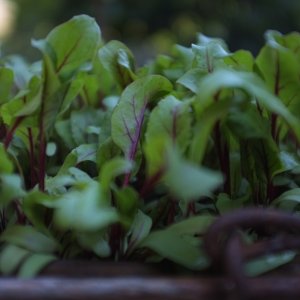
[149, 27]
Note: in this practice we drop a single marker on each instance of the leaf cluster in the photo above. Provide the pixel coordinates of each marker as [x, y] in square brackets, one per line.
[100, 159]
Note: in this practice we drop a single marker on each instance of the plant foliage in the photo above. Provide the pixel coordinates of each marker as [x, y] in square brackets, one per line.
[105, 160]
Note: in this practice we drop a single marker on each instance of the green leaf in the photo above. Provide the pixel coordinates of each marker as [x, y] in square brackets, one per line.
[64, 130]
[179, 244]
[267, 263]
[127, 202]
[248, 124]
[111, 169]
[34, 207]
[90, 88]
[81, 121]
[241, 60]
[29, 238]
[226, 204]
[264, 154]
[21, 69]
[6, 84]
[155, 152]
[106, 151]
[209, 53]
[193, 225]
[128, 116]
[84, 152]
[34, 264]
[187, 181]
[96, 242]
[191, 79]
[171, 119]
[6, 165]
[24, 104]
[11, 257]
[81, 38]
[140, 229]
[220, 79]
[84, 209]
[11, 188]
[203, 127]
[119, 61]
[72, 91]
[289, 199]
[279, 67]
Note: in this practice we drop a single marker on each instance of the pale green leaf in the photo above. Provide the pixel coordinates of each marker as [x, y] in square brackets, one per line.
[34, 264]
[268, 262]
[11, 188]
[187, 181]
[84, 209]
[177, 243]
[111, 169]
[29, 238]
[11, 257]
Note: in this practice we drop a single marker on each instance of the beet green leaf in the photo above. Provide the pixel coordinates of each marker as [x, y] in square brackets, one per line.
[81, 38]
[179, 244]
[128, 116]
[187, 181]
[119, 61]
[171, 120]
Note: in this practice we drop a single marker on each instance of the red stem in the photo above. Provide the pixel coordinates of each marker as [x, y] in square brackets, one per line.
[31, 159]
[191, 209]
[20, 215]
[42, 161]
[135, 140]
[150, 183]
[115, 240]
[10, 133]
[224, 160]
[171, 213]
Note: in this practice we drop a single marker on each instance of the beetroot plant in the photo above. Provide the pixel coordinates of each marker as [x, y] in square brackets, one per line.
[101, 159]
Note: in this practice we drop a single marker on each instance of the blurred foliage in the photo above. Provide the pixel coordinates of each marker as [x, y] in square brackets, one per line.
[148, 27]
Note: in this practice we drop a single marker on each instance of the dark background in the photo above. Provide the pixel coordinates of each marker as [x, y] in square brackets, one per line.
[151, 26]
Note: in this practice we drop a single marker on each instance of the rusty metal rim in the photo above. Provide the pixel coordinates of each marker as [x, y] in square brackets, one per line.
[144, 288]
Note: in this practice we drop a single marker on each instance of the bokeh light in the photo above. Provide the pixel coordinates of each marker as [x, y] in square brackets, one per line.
[7, 18]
